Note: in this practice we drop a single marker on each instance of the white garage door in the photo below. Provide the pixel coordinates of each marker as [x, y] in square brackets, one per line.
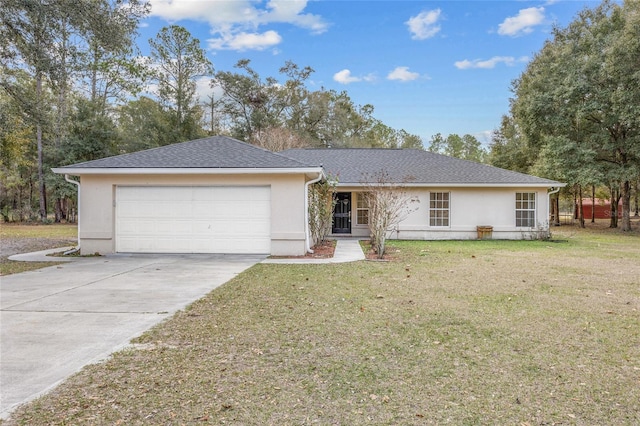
[193, 219]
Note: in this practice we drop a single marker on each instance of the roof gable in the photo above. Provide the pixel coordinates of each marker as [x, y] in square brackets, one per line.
[210, 153]
[411, 166]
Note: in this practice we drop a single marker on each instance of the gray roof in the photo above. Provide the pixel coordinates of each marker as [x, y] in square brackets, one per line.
[359, 165]
[213, 152]
[353, 166]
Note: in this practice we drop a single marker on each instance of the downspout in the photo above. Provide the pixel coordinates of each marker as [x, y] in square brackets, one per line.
[549, 194]
[307, 237]
[76, 183]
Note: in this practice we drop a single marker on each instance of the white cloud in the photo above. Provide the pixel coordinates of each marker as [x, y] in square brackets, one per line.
[234, 23]
[345, 77]
[204, 90]
[424, 25]
[245, 41]
[402, 74]
[523, 22]
[489, 63]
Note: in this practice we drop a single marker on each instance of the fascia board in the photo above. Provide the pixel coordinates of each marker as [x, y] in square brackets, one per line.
[459, 185]
[78, 171]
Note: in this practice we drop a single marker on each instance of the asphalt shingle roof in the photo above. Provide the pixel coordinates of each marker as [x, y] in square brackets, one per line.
[359, 165]
[212, 152]
[351, 165]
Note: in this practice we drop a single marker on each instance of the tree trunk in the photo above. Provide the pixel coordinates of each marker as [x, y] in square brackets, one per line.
[580, 207]
[615, 198]
[593, 204]
[636, 197]
[626, 205]
[556, 203]
[57, 210]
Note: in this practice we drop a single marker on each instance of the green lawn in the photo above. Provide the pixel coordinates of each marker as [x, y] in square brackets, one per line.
[463, 333]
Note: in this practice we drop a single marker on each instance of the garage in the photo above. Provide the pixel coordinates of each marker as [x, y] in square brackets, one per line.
[193, 219]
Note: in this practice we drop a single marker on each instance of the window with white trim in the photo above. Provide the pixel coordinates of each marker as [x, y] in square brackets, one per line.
[526, 209]
[362, 209]
[438, 209]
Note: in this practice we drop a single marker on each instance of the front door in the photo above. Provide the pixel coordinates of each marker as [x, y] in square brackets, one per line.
[342, 214]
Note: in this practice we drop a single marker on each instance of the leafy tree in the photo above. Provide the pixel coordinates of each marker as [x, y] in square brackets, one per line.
[380, 135]
[143, 123]
[409, 141]
[28, 44]
[178, 61]
[466, 147]
[110, 68]
[92, 136]
[580, 95]
[510, 149]
[253, 104]
[17, 161]
[48, 41]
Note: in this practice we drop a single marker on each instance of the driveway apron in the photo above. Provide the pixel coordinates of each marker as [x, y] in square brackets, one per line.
[56, 320]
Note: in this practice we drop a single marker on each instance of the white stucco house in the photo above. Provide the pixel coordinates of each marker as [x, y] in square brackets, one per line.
[221, 195]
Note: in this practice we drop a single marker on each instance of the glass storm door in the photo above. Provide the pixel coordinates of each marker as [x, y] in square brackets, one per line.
[342, 214]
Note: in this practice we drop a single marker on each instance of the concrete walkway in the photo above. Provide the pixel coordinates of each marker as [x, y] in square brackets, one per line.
[43, 256]
[347, 250]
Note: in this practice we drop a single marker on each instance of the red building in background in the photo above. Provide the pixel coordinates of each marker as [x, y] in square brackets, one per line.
[602, 208]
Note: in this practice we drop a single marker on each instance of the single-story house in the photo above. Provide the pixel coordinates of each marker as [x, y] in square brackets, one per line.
[221, 195]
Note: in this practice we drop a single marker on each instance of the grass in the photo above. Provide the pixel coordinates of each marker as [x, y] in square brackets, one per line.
[464, 333]
[21, 238]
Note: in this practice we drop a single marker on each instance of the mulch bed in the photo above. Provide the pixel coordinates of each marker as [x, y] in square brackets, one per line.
[323, 250]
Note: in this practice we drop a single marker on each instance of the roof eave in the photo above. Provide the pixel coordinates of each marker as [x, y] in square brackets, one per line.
[461, 185]
[79, 171]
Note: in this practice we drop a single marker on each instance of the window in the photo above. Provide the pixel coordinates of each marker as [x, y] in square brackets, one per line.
[439, 209]
[362, 210]
[526, 209]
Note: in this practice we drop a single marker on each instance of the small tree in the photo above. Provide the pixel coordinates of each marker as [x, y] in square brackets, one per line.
[389, 204]
[321, 202]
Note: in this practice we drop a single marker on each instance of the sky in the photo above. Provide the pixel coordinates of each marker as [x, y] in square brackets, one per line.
[426, 66]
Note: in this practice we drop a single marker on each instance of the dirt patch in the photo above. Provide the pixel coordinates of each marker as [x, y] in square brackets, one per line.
[11, 246]
[370, 254]
[19, 238]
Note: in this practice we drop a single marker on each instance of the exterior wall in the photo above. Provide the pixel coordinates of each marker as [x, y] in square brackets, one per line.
[97, 206]
[468, 209]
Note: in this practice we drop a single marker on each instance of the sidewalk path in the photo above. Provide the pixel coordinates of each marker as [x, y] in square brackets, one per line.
[346, 251]
[42, 256]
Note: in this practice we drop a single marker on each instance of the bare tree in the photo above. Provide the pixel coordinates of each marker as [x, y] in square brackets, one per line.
[389, 204]
[278, 139]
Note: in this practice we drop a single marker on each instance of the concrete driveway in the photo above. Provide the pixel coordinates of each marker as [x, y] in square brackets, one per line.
[58, 319]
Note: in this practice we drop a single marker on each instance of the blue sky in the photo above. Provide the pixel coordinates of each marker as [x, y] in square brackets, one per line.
[426, 66]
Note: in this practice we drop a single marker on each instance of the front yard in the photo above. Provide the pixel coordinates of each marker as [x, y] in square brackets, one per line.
[25, 238]
[476, 332]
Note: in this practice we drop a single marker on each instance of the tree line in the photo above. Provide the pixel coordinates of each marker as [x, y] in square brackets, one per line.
[74, 87]
[575, 111]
